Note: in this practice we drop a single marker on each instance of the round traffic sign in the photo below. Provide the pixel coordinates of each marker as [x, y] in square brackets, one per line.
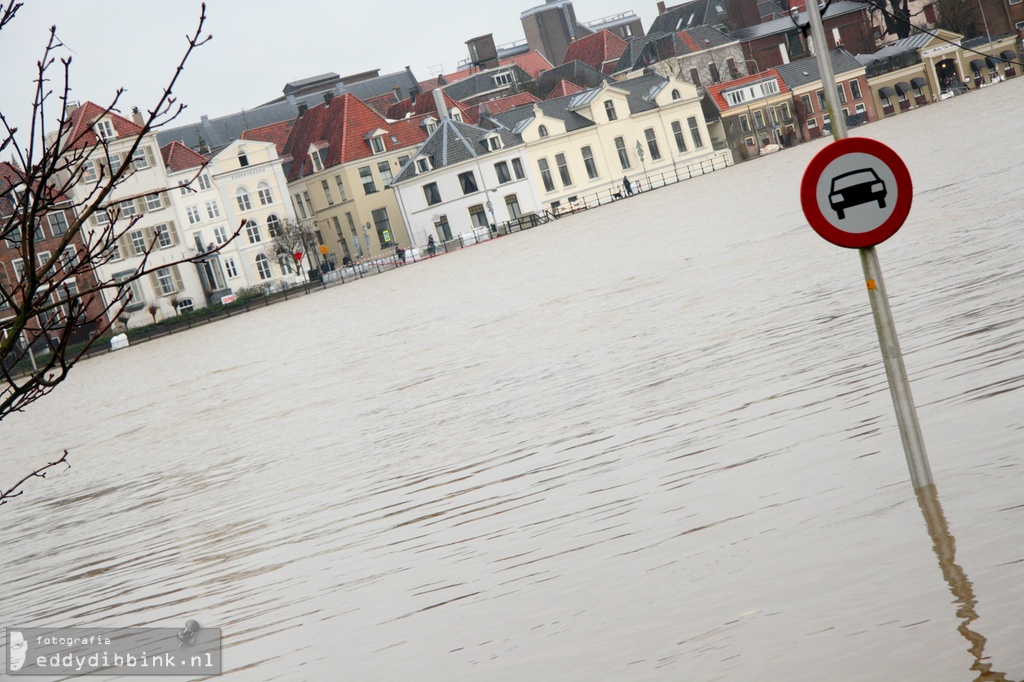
[856, 192]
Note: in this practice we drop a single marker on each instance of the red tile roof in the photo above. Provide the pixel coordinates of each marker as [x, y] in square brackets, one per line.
[499, 106]
[564, 88]
[600, 51]
[423, 105]
[531, 62]
[344, 126]
[690, 41]
[715, 91]
[83, 117]
[275, 132]
[382, 102]
[178, 157]
[9, 176]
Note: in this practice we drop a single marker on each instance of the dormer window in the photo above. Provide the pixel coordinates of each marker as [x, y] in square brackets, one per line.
[376, 139]
[675, 94]
[609, 108]
[456, 114]
[431, 124]
[493, 143]
[105, 130]
[423, 165]
[542, 131]
[318, 155]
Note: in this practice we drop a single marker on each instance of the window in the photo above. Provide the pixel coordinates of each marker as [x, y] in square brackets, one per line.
[43, 257]
[204, 182]
[19, 269]
[695, 132]
[759, 119]
[193, 215]
[341, 187]
[675, 94]
[432, 194]
[318, 161]
[503, 78]
[542, 131]
[652, 144]
[164, 236]
[383, 225]
[713, 70]
[377, 144]
[677, 133]
[105, 130]
[609, 108]
[327, 192]
[165, 281]
[69, 259]
[138, 242]
[273, 225]
[299, 208]
[154, 202]
[115, 163]
[402, 160]
[517, 169]
[744, 123]
[512, 204]
[89, 173]
[242, 197]
[384, 168]
[855, 89]
[588, 161]
[230, 267]
[263, 266]
[366, 176]
[132, 290]
[695, 77]
[501, 169]
[842, 93]
[128, 208]
[821, 100]
[806, 99]
[859, 108]
[731, 64]
[309, 204]
[212, 210]
[467, 182]
[13, 238]
[478, 216]
[252, 231]
[620, 147]
[786, 115]
[243, 159]
[184, 188]
[900, 95]
[142, 158]
[563, 169]
[185, 305]
[58, 223]
[444, 231]
[423, 165]
[545, 175]
[493, 143]
[265, 194]
[115, 250]
[220, 234]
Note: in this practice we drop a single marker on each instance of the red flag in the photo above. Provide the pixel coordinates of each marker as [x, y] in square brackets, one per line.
[298, 256]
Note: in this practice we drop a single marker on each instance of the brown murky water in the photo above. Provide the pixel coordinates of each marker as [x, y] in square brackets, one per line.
[649, 442]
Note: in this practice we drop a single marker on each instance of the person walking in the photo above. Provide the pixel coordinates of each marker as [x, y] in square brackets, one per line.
[627, 185]
[431, 245]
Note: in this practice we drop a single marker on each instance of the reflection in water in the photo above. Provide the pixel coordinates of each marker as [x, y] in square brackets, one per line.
[945, 549]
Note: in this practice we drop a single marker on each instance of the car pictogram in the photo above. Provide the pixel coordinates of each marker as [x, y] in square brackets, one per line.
[855, 188]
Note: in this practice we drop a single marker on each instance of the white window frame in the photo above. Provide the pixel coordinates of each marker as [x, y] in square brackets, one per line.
[212, 209]
[105, 129]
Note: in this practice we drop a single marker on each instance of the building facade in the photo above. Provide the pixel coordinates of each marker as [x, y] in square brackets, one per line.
[804, 82]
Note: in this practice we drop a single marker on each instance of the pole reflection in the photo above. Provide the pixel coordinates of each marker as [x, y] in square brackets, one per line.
[944, 545]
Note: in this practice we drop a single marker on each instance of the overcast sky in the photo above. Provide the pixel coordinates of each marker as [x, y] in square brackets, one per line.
[257, 46]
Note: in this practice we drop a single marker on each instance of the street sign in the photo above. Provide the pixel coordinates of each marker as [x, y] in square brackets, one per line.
[856, 192]
[298, 256]
[640, 151]
[324, 249]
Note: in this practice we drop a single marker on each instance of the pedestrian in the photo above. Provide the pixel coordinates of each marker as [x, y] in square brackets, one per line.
[626, 185]
[400, 254]
[431, 245]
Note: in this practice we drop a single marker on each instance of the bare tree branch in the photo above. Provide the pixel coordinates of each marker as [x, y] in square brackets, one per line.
[38, 473]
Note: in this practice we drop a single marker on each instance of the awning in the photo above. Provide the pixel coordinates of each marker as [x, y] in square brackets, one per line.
[903, 86]
[886, 92]
[1008, 54]
[978, 64]
[918, 83]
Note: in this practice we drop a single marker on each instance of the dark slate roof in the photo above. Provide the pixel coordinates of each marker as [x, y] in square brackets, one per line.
[785, 24]
[646, 50]
[700, 38]
[483, 82]
[373, 87]
[452, 143]
[575, 72]
[222, 131]
[770, 9]
[696, 13]
[806, 71]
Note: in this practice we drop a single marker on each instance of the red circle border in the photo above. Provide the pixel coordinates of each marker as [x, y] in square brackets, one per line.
[809, 187]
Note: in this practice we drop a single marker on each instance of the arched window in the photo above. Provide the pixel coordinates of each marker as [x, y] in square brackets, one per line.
[675, 94]
[456, 114]
[273, 225]
[542, 131]
[263, 266]
[252, 231]
[242, 196]
[265, 194]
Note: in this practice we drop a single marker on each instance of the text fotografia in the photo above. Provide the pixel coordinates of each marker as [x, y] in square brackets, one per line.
[111, 651]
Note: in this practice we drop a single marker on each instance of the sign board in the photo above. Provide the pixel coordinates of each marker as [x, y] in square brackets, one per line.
[323, 249]
[230, 298]
[856, 192]
[640, 150]
[298, 256]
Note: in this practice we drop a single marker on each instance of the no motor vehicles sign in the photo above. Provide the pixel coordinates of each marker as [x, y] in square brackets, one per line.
[856, 192]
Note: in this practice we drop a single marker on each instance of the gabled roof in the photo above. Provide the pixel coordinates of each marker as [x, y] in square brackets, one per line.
[221, 131]
[454, 142]
[533, 63]
[483, 82]
[575, 72]
[646, 50]
[424, 105]
[497, 106]
[403, 80]
[344, 125]
[599, 51]
[9, 177]
[804, 71]
[81, 132]
[715, 91]
[785, 24]
[383, 102]
[178, 157]
[690, 14]
[277, 133]
[700, 38]
[563, 88]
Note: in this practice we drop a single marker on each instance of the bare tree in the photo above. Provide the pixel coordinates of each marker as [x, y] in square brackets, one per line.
[958, 16]
[56, 302]
[290, 240]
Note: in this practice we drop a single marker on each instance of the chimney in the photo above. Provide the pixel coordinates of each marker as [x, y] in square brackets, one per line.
[205, 120]
[661, 7]
[71, 108]
[137, 116]
[302, 109]
[442, 108]
[328, 96]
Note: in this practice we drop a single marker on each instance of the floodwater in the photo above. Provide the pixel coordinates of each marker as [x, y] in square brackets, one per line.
[652, 441]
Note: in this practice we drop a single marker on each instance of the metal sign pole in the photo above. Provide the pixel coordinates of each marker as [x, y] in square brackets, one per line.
[899, 384]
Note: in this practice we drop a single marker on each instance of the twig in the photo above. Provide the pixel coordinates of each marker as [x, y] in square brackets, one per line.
[38, 473]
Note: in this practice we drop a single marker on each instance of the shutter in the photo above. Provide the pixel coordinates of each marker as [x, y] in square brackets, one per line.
[172, 230]
[178, 284]
[155, 283]
[149, 157]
